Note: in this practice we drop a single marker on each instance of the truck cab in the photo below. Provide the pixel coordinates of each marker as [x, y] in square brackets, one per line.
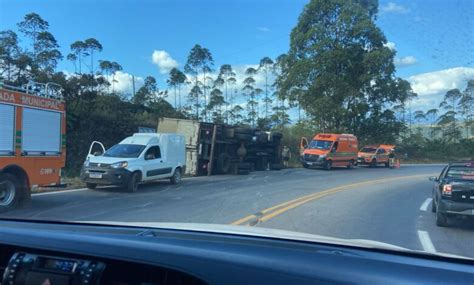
[32, 140]
[136, 159]
[330, 150]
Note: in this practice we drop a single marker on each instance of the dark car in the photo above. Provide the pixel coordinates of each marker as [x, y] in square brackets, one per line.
[453, 192]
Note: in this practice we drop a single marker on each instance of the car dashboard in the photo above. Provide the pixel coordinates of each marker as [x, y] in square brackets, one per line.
[61, 253]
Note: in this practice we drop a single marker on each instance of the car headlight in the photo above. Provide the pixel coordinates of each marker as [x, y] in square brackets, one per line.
[86, 163]
[120, 164]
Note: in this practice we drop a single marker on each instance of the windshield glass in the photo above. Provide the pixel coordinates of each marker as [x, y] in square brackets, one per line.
[461, 172]
[253, 114]
[319, 144]
[125, 150]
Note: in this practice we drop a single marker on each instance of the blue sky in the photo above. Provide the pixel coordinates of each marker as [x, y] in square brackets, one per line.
[429, 36]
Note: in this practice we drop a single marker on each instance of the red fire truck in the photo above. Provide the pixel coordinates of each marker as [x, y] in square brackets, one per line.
[32, 140]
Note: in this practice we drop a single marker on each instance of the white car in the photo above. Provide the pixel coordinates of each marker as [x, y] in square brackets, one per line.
[139, 158]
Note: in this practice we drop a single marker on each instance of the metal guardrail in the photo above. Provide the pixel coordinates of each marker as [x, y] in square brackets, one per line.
[46, 90]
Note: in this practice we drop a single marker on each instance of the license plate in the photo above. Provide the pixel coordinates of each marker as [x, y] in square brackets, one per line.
[95, 175]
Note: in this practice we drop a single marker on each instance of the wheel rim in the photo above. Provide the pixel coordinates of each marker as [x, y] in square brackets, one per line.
[7, 193]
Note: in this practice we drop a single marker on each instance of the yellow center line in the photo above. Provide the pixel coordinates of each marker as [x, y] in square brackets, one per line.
[279, 209]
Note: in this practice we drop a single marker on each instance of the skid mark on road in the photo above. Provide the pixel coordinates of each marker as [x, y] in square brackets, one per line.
[425, 204]
[269, 213]
[426, 242]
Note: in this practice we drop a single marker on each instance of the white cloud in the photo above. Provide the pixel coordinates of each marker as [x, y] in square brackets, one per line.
[163, 60]
[432, 86]
[263, 29]
[392, 7]
[390, 45]
[124, 82]
[405, 61]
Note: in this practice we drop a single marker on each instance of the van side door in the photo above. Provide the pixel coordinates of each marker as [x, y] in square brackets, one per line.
[382, 155]
[155, 167]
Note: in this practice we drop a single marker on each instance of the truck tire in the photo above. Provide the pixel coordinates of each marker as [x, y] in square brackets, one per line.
[223, 163]
[305, 165]
[176, 178]
[91, 186]
[132, 184]
[10, 192]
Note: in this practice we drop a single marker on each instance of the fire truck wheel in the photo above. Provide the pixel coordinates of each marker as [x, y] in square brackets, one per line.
[10, 189]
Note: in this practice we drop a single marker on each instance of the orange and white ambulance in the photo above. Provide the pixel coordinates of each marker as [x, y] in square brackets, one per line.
[32, 140]
[330, 150]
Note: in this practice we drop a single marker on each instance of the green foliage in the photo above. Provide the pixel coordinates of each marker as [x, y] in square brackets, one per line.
[341, 69]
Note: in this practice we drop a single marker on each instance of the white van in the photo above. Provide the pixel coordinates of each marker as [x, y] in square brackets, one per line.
[139, 158]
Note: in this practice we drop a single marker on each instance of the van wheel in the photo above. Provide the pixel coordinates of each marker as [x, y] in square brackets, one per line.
[132, 185]
[10, 189]
[373, 163]
[328, 165]
[91, 186]
[176, 178]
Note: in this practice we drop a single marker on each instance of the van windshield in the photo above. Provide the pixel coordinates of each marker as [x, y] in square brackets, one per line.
[368, 149]
[319, 144]
[125, 150]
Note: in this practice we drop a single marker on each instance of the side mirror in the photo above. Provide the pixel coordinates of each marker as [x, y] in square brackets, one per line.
[97, 153]
[433, 179]
[149, 156]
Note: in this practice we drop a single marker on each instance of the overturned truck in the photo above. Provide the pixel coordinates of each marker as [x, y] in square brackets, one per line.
[231, 149]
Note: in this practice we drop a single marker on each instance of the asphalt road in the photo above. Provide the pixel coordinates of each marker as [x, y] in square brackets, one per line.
[387, 205]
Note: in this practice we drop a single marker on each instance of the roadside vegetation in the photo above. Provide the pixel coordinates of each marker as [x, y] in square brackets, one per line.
[338, 73]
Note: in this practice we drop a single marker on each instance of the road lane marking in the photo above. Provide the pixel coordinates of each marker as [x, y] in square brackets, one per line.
[426, 242]
[279, 209]
[425, 204]
[59, 192]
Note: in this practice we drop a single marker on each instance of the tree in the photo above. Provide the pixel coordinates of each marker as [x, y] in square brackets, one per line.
[432, 115]
[199, 60]
[216, 101]
[48, 55]
[175, 80]
[340, 65]
[110, 68]
[72, 58]
[92, 45]
[249, 91]
[449, 119]
[227, 75]
[79, 49]
[146, 94]
[266, 64]
[9, 52]
[31, 26]
[466, 107]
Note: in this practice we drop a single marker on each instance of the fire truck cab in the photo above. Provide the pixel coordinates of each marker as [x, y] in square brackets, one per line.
[32, 140]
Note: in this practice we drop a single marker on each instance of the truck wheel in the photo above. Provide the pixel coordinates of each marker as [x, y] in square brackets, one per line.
[223, 163]
[176, 178]
[91, 186]
[132, 185]
[305, 165]
[328, 165]
[441, 219]
[10, 189]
